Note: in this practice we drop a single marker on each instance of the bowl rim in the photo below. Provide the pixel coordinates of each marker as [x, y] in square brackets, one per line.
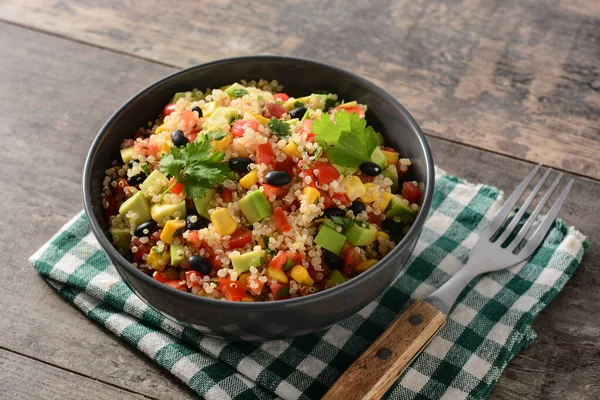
[266, 305]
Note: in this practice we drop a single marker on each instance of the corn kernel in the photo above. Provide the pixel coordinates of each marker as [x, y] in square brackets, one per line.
[251, 178]
[291, 150]
[261, 120]
[385, 201]
[224, 224]
[277, 275]
[390, 156]
[382, 234]
[155, 258]
[209, 108]
[312, 195]
[369, 198]
[243, 280]
[354, 187]
[365, 265]
[171, 229]
[224, 88]
[160, 129]
[300, 275]
[221, 143]
[247, 299]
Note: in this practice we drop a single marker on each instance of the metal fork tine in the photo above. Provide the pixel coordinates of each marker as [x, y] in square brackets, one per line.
[509, 204]
[527, 226]
[541, 231]
[513, 224]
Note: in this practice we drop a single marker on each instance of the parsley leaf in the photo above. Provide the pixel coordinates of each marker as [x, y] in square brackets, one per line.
[349, 141]
[342, 222]
[279, 128]
[196, 166]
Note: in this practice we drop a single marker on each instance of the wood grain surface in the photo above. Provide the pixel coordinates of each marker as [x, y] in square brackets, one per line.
[520, 78]
[379, 367]
[517, 78]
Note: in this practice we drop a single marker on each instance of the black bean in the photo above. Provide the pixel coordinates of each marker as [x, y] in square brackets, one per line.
[392, 227]
[278, 178]
[357, 207]
[333, 261]
[145, 228]
[178, 138]
[199, 264]
[334, 212]
[136, 179]
[370, 168]
[130, 163]
[195, 222]
[198, 110]
[298, 112]
[240, 164]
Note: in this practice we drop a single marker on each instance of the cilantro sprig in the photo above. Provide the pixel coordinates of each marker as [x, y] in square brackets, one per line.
[342, 222]
[348, 141]
[279, 128]
[195, 166]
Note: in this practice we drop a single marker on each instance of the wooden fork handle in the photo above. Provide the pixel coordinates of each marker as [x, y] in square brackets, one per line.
[372, 374]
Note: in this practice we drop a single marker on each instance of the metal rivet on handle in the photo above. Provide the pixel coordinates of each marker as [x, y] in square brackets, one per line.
[415, 319]
[384, 353]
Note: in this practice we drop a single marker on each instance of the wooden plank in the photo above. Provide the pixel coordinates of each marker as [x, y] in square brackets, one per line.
[519, 78]
[61, 103]
[25, 379]
[563, 361]
[52, 109]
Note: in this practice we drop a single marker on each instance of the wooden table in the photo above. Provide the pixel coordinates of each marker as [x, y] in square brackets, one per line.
[496, 85]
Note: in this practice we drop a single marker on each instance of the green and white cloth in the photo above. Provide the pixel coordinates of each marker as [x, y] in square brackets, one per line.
[488, 326]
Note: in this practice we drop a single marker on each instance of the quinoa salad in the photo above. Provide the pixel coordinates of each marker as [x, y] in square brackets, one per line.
[243, 193]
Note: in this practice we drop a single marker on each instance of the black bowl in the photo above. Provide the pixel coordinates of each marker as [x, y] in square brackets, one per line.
[266, 320]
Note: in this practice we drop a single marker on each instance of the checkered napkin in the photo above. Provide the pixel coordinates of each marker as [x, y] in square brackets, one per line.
[488, 326]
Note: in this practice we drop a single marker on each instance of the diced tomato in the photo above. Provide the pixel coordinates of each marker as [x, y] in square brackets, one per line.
[281, 258]
[271, 190]
[342, 198]
[327, 173]
[281, 221]
[193, 278]
[264, 154]
[146, 147]
[155, 236]
[318, 275]
[366, 178]
[305, 171]
[351, 260]
[310, 137]
[159, 276]
[254, 286]
[227, 195]
[177, 187]
[142, 249]
[399, 169]
[192, 135]
[241, 237]
[193, 238]
[274, 110]
[306, 125]
[238, 129]
[410, 192]
[209, 255]
[121, 185]
[375, 219]
[280, 291]
[176, 284]
[281, 97]
[350, 110]
[168, 110]
[187, 120]
[327, 200]
[112, 205]
[287, 165]
[231, 290]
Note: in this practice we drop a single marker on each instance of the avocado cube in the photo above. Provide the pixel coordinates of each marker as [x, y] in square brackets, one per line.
[221, 116]
[177, 254]
[392, 173]
[243, 262]
[336, 277]
[379, 158]
[345, 170]
[361, 235]
[399, 208]
[255, 206]
[236, 90]
[121, 237]
[139, 207]
[203, 203]
[154, 184]
[126, 154]
[162, 213]
[330, 239]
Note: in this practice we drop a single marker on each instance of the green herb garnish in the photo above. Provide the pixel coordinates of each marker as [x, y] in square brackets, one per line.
[348, 141]
[216, 135]
[196, 166]
[144, 167]
[298, 104]
[289, 264]
[342, 222]
[283, 291]
[329, 103]
[160, 253]
[238, 92]
[279, 128]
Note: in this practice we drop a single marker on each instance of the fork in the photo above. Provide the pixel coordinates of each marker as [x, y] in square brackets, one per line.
[372, 374]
